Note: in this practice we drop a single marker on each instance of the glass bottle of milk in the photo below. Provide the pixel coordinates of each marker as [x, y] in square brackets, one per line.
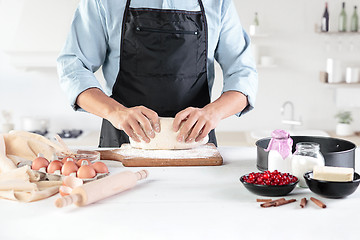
[280, 151]
[306, 156]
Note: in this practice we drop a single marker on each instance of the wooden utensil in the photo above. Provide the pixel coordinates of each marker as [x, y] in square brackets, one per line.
[100, 189]
[63, 144]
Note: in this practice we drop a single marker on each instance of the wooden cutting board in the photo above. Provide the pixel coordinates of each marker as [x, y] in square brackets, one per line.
[206, 155]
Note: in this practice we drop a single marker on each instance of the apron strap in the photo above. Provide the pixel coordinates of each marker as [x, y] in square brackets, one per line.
[123, 24]
[206, 29]
[199, 1]
[201, 6]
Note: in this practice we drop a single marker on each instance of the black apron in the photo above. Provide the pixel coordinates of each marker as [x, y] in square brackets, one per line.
[163, 65]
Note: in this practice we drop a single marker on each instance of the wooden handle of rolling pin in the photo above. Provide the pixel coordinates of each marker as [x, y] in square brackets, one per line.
[97, 190]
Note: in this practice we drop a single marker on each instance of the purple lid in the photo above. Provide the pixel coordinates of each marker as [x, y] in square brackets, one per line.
[281, 142]
[279, 134]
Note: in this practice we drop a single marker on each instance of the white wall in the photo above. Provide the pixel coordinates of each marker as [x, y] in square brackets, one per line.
[37, 94]
[299, 53]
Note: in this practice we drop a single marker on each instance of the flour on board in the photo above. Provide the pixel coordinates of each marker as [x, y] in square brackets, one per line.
[203, 151]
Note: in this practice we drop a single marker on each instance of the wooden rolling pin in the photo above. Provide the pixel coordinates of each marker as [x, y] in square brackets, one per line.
[100, 189]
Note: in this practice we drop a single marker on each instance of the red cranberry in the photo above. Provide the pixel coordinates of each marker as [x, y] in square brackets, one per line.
[270, 178]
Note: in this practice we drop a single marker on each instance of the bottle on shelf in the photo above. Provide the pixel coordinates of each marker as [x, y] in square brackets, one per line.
[354, 26]
[256, 20]
[254, 27]
[325, 19]
[342, 19]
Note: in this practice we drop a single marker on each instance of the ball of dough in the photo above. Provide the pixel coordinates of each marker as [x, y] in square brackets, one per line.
[166, 139]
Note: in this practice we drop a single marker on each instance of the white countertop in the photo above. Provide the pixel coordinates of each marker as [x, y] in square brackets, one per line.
[186, 203]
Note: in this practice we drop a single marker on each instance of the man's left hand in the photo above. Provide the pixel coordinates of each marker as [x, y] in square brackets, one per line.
[195, 123]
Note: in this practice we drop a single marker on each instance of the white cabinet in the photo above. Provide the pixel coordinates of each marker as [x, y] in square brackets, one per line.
[34, 31]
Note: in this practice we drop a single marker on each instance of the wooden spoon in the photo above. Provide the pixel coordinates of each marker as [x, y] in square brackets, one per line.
[63, 144]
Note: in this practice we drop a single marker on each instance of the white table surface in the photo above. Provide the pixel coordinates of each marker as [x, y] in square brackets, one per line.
[186, 203]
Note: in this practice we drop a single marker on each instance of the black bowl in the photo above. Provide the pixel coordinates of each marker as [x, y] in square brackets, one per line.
[331, 189]
[336, 152]
[269, 190]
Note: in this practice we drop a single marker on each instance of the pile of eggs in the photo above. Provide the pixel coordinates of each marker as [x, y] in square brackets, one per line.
[81, 168]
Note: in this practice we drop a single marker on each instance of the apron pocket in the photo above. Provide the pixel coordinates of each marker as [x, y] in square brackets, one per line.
[166, 52]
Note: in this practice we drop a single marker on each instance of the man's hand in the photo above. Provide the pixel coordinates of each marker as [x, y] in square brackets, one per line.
[196, 123]
[136, 122]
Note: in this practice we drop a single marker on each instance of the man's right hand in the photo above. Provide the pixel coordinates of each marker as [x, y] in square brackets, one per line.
[137, 122]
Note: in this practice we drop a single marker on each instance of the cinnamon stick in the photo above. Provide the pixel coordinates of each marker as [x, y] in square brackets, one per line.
[318, 202]
[279, 203]
[271, 203]
[263, 200]
[303, 202]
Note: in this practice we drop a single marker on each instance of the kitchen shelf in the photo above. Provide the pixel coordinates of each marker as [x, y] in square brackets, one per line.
[258, 65]
[266, 66]
[342, 85]
[260, 35]
[333, 33]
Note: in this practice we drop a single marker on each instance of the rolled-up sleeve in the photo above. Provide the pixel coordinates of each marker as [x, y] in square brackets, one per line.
[84, 51]
[234, 55]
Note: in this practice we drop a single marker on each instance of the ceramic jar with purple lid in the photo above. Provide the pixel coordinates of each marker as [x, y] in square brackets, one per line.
[280, 151]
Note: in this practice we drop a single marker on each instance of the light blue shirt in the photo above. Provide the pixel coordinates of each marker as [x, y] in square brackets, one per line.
[94, 41]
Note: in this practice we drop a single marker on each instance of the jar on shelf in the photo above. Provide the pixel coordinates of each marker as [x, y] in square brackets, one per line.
[280, 151]
[306, 156]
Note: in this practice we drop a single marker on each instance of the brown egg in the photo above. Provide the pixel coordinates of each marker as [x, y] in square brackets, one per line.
[100, 167]
[79, 162]
[54, 165]
[68, 168]
[39, 162]
[65, 159]
[86, 171]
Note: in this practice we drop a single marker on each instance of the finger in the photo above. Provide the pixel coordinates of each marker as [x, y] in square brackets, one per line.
[203, 133]
[138, 130]
[195, 132]
[186, 128]
[146, 125]
[130, 132]
[179, 117]
[153, 117]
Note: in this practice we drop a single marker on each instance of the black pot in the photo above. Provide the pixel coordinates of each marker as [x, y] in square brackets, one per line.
[336, 152]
